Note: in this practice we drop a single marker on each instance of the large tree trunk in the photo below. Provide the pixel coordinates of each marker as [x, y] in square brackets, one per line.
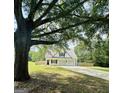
[22, 47]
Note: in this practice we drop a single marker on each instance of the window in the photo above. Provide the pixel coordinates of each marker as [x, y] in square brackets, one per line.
[47, 62]
[53, 61]
[62, 54]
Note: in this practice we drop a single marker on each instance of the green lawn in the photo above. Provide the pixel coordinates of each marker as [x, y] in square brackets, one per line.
[53, 79]
[101, 68]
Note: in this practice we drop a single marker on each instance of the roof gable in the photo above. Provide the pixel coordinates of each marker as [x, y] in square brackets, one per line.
[62, 54]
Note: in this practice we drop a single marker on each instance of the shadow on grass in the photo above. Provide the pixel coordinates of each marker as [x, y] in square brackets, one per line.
[56, 83]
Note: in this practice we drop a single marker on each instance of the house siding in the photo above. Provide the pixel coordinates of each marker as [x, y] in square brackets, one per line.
[65, 58]
[62, 61]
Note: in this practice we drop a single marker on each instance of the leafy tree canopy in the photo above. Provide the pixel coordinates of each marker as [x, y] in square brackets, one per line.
[57, 21]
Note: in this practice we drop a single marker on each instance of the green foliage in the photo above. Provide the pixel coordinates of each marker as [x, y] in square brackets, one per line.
[95, 51]
[65, 20]
[67, 15]
[34, 56]
[82, 52]
[42, 51]
[38, 55]
[102, 54]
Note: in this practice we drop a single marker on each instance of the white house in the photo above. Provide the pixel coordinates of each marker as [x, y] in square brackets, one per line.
[63, 58]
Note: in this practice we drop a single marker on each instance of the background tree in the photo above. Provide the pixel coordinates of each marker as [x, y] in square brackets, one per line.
[101, 53]
[39, 53]
[94, 50]
[52, 22]
[82, 52]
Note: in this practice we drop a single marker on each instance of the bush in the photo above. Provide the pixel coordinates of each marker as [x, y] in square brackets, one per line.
[102, 61]
[34, 56]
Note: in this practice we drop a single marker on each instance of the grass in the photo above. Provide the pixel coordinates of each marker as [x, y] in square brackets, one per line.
[90, 65]
[85, 64]
[101, 68]
[53, 79]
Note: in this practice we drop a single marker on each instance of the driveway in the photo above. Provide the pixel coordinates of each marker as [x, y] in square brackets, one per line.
[88, 71]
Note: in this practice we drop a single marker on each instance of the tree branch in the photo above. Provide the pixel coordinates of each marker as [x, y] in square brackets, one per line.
[18, 11]
[62, 14]
[89, 19]
[38, 31]
[34, 9]
[51, 5]
[36, 42]
[60, 30]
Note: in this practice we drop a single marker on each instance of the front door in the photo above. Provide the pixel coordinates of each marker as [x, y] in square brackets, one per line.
[47, 62]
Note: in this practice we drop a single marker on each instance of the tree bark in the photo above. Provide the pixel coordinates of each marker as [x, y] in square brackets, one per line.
[22, 46]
